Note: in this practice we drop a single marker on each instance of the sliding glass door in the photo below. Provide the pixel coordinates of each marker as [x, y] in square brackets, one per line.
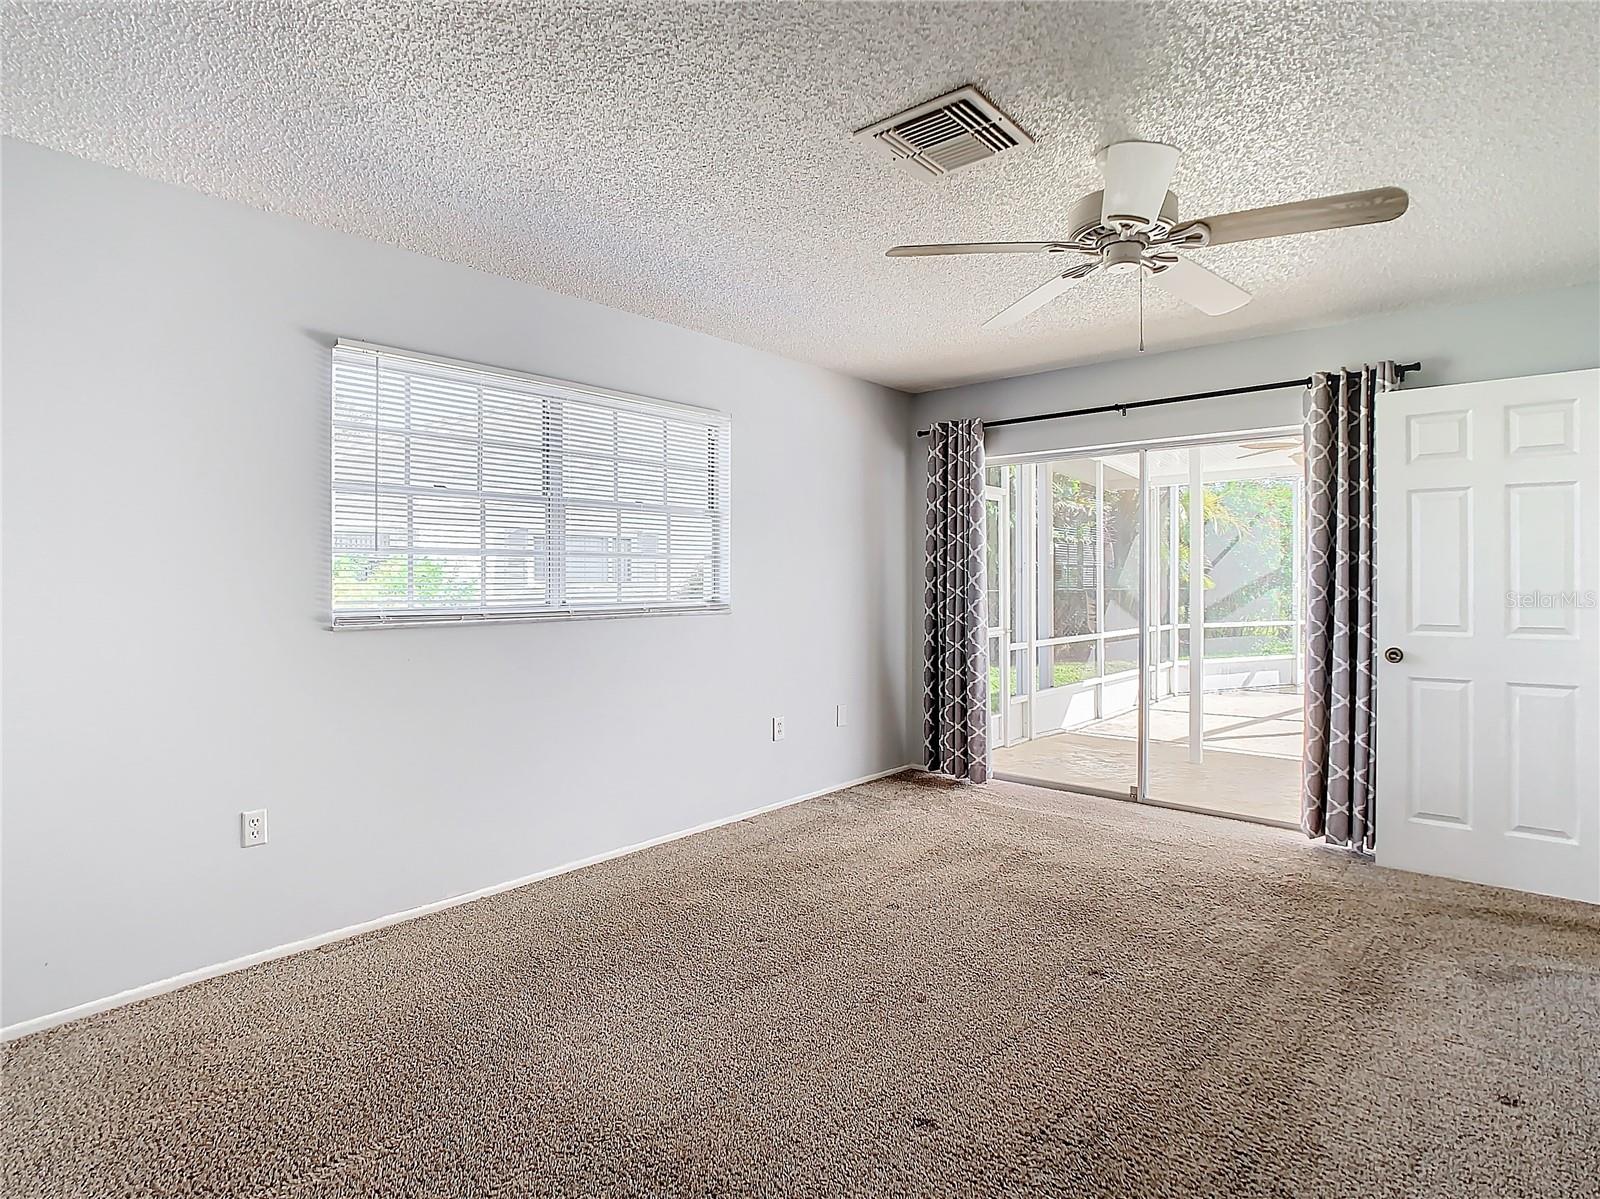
[1188, 551]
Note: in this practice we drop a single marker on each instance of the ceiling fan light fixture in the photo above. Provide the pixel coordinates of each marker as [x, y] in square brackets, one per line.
[1137, 175]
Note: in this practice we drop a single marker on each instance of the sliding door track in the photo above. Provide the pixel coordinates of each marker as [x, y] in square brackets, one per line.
[1129, 797]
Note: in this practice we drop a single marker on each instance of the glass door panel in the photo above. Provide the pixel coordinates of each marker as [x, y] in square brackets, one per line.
[1223, 714]
[1073, 557]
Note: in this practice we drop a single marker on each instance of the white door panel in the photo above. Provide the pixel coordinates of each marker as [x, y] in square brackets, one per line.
[1488, 542]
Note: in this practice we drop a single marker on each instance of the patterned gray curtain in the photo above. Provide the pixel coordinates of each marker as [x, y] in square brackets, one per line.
[955, 667]
[1336, 783]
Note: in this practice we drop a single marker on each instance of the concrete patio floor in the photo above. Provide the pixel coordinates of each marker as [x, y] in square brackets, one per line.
[1250, 764]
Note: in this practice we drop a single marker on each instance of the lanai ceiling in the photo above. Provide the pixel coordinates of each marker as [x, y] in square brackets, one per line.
[693, 162]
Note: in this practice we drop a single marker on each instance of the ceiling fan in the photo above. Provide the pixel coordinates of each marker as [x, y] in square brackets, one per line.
[1132, 226]
[1294, 446]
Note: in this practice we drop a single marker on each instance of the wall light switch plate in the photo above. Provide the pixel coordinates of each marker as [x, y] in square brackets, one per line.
[777, 728]
[839, 718]
[252, 828]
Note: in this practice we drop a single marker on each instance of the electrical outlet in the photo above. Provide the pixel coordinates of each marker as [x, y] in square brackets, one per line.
[777, 728]
[839, 718]
[252, 828]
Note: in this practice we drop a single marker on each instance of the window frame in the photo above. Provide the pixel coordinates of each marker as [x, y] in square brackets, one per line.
[554, 392]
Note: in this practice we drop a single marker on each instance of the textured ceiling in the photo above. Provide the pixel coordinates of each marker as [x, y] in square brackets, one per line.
[694, 162]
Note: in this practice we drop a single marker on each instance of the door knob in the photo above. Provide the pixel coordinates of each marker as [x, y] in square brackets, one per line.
[1393, 654]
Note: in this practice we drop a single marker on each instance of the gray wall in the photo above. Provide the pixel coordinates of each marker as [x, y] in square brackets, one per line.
[1531, 334]
[165, 516]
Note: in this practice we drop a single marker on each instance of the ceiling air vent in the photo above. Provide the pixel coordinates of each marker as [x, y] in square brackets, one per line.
[944, 134]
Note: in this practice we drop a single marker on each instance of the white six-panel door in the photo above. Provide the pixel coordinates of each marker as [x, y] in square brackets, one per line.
[1488, 568]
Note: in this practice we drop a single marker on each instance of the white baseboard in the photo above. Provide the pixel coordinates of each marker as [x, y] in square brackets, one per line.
[39, 1023]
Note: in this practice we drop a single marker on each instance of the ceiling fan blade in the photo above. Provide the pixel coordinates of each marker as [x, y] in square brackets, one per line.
[1307, 216]
[1042, 295]
[1206, 290]
[981, 247]
[1137, 175]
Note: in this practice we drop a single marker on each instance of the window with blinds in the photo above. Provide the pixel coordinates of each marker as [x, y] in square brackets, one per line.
[464, 493]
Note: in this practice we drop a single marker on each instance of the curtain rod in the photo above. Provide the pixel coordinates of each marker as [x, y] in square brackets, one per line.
[1400, 370]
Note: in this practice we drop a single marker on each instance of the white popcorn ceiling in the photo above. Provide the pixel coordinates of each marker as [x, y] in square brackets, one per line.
[694, 162]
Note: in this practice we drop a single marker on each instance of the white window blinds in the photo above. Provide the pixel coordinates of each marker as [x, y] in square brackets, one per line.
[464, 493]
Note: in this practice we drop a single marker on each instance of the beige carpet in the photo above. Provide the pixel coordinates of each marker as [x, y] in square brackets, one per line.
[906, 988]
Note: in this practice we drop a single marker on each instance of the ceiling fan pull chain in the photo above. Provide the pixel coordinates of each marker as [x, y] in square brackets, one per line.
[1141, 310]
